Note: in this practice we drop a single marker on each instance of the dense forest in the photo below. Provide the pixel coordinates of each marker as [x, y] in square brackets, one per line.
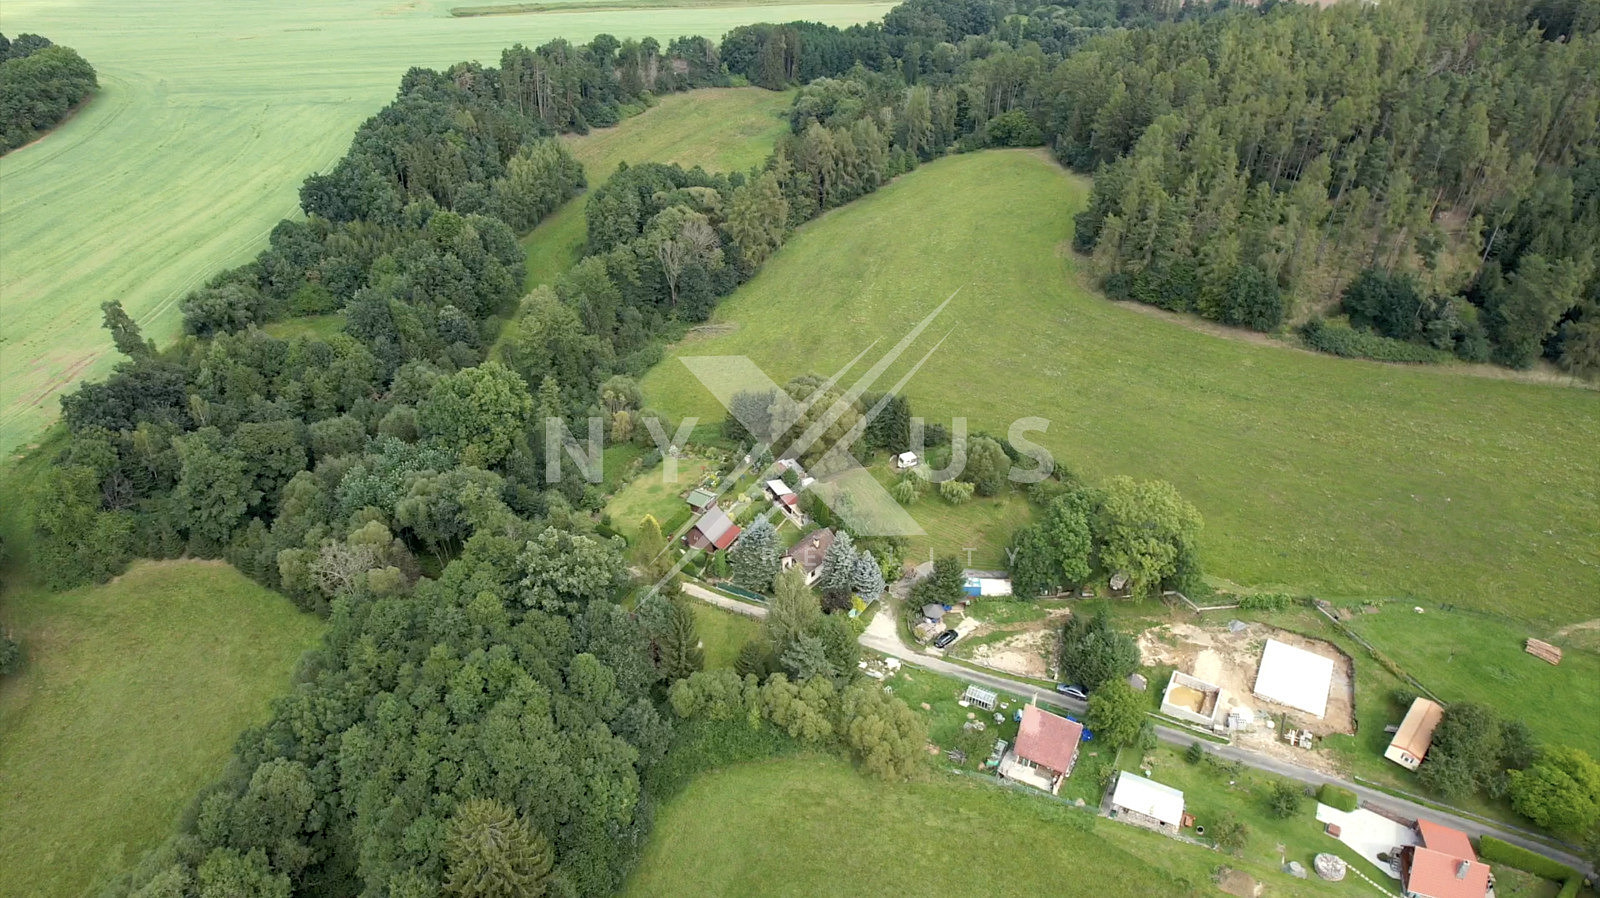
[40, 83]
[483, 708]
[1407, 181]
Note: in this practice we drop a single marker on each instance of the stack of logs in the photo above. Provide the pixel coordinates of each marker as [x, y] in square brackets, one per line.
[1543, 650]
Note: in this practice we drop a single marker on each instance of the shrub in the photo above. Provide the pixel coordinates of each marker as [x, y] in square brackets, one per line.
[1271, 601]
[1195, 753]
[1499, 851]
[1338, 798]
[10, 655]
[1283, 800]
[1339, 340]
[1230, 833]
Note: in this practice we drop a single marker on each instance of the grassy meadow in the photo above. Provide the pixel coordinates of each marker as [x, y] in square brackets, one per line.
[1473, 657]
[726, 130]
[208, 118]
[1321, 475]
[812, 826]
[133, 695]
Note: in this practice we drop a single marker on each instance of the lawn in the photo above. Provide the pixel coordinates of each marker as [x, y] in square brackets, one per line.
[651, 493]
[1474, 657]
[208, 118]
[1211, 793]
[722, 633]
[811, 826]
[718, 130]
[982, 525]
[132, 699]
[1324, 475]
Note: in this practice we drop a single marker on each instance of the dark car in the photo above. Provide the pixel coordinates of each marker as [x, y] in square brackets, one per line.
[1073, 691]
[945, 638]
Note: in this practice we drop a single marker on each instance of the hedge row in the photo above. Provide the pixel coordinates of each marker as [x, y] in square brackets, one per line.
[1338, 798]
[1337, 339]
[1499, 851]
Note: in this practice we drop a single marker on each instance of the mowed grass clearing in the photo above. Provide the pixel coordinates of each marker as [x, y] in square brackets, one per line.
[133, 696]
[722, 633]
[1465, 657]
[208, 119]
[654, 493]
[1317, 474]
[721, 130]
[812, 826]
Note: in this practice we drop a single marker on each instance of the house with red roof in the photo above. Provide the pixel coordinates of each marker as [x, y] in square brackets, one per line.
[1046, 750]
[1443, 865]
[714, 531]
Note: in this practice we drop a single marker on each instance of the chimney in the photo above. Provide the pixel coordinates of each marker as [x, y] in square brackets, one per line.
[1461, 869]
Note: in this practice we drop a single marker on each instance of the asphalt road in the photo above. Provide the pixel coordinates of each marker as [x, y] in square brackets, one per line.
[884, 637]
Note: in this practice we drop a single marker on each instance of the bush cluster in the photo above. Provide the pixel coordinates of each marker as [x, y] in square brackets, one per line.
[1349, 343]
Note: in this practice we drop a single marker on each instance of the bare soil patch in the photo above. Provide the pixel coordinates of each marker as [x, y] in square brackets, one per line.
[1238, 882]
[1027, 649]
[1230, 660]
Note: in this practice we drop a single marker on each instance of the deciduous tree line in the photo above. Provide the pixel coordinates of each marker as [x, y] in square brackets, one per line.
[39, 84]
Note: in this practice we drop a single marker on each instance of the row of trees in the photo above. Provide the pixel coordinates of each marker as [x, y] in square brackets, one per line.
[799, 675]
[40, 83]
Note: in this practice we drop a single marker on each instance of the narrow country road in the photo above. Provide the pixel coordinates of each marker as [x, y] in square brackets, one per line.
[883, 636]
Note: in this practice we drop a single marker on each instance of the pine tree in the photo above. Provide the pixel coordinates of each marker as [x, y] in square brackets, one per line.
[492, 852]
[679, 643]
[838, 568]
[649, 549]
[868, 577]
[755, 556]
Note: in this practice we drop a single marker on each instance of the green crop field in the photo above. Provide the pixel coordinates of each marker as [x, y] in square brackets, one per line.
[132, 698]
[208, 118]
[1319, 474]
[812, 826]
[718, 130]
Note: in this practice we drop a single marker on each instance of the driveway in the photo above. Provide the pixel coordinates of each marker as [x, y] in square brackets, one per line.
[1368, 833]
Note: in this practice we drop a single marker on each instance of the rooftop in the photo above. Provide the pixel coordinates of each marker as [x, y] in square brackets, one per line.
[1148, 797]
[1439, 837]
[1438, 874]
[717, 527]
[1047, 740]
[1415, 735]
[811, 549]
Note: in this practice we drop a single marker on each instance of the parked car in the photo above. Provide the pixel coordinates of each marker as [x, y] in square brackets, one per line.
[1073, 691]
[945, 638]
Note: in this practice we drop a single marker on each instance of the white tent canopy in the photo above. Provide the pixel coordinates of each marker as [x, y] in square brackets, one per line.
[1295, 677]
[1148, 797]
